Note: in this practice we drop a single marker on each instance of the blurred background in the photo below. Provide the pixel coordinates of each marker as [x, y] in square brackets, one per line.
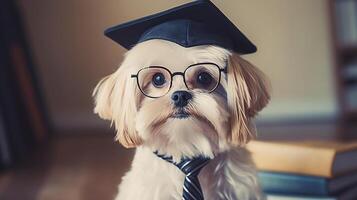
[52, 54]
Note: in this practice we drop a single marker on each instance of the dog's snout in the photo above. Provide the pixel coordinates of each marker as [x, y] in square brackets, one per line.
[181, 98]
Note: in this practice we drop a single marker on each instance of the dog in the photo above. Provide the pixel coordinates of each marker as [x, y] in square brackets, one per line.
[216, 124]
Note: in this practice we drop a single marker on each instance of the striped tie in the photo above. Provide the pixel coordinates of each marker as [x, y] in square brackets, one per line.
[191, 168]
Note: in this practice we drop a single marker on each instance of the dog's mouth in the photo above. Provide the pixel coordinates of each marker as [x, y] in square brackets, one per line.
[180, 114]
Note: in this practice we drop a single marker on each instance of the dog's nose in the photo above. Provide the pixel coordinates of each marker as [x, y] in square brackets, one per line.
[181, 98]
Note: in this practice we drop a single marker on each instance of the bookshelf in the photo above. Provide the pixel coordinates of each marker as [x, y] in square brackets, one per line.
[24, 122]
[343, 14]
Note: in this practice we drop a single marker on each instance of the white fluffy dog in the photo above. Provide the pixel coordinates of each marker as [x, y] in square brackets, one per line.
[214, 124]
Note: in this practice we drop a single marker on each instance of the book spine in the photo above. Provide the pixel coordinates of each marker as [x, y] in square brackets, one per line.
[285, 158]
[346, 15]
[277, 183]
[352, 22]
[279, 197]
[27, 91]
[340, 21]
[5, 152]
[26, 77]
[350, 79]
[351, 97]
[350, 71]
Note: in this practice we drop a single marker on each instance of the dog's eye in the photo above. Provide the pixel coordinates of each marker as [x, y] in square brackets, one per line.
[204, 78]
[158, 79]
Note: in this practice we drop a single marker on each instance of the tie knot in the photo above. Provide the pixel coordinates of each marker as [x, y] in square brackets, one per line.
[189, 166]
[192, 167]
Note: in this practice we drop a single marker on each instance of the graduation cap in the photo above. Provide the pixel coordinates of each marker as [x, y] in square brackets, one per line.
[192, 24]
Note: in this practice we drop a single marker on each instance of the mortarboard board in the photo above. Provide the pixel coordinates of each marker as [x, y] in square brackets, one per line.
[192, 24]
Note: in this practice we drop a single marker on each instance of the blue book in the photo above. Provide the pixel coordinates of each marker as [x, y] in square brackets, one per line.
[349, 194]
[291, 184]
[277, 197]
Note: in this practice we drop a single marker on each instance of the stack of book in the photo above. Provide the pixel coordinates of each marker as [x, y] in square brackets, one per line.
[307, 170]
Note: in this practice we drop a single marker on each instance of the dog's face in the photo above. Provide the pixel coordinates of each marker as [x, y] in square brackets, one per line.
[182, 101]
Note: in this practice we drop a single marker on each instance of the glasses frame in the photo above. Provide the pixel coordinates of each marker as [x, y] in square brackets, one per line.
[172, 74]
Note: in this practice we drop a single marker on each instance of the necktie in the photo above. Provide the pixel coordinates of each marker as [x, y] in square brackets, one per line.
[191, 168]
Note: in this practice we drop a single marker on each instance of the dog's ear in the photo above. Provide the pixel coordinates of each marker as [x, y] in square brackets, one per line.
[115, 100]
[247, 93]
[103, 96]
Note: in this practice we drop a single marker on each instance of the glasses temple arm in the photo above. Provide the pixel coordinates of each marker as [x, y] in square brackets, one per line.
[225, 70]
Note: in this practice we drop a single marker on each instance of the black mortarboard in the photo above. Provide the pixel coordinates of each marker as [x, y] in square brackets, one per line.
[191, 24]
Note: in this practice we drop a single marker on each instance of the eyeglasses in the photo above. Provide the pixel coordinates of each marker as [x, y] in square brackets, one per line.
[156, 81]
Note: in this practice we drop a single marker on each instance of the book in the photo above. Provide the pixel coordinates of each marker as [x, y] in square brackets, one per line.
[350, 194]
[5, 154]
[25, 73]
[346, 15]
[350, 71]
[27, 91]
[351, 96]
[282, 183]
[316, 158]
[277, 197]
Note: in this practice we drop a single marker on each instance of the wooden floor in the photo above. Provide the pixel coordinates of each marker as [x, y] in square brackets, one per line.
[72, 167]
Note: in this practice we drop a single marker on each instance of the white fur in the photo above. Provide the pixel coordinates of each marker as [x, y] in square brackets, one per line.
[229, 176]
[219, 126]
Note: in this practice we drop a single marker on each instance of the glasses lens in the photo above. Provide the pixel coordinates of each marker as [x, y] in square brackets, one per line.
[154, 81]
[202, 76]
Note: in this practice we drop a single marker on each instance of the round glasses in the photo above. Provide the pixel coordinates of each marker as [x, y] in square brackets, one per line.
[156, 81]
